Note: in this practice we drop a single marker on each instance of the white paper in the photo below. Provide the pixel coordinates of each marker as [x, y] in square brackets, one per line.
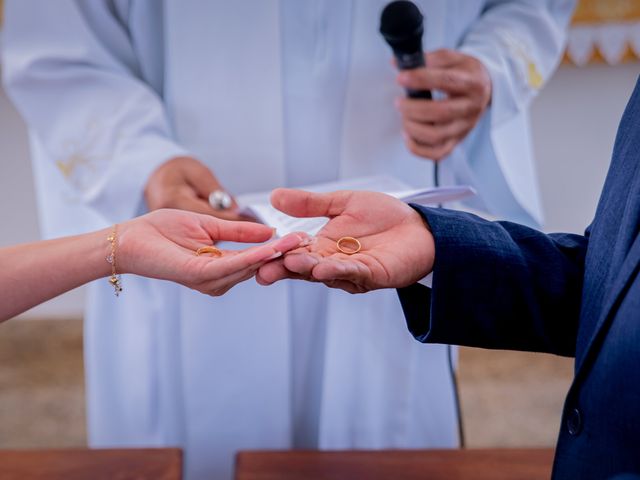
[257, 205]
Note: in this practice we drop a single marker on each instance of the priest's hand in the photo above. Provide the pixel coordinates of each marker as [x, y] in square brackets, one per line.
[163, 244]
[185, 183]
[433, 128]
[397, 248]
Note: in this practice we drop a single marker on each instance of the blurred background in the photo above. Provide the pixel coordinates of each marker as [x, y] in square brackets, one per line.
[508, 399]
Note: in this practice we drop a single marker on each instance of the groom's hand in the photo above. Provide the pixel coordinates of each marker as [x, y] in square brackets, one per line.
[397, 248]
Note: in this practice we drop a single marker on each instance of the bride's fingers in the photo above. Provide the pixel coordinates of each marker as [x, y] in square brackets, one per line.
[258, 257]
[223, 285]
[275, 248]
[231, 263]
[220, 268]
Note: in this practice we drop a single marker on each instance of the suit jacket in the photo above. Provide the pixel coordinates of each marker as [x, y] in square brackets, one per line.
[503, 285]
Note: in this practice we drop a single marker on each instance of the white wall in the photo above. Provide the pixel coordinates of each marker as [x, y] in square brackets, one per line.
[574, 123]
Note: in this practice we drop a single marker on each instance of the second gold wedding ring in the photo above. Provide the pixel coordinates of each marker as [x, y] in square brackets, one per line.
[349, 245]
[216, 252]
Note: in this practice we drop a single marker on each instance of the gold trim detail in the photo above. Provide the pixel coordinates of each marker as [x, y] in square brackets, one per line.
[602, 11]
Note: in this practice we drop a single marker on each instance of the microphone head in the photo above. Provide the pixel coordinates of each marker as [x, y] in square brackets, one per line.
[402, 26]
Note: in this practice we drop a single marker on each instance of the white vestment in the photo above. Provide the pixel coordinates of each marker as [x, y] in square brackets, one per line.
[267, 93]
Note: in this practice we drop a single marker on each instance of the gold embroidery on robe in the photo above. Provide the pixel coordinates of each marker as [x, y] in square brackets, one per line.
[530, 75]
[82, 162]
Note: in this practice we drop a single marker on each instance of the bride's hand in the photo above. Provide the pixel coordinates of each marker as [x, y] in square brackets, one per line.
[163, 245]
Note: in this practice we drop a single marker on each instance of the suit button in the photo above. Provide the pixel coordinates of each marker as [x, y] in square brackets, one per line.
[574, 422]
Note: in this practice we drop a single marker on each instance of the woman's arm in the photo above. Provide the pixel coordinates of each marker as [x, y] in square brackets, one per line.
[36, 272]
[162, 245]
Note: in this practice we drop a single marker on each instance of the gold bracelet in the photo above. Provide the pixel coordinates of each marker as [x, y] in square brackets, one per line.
[114, 279]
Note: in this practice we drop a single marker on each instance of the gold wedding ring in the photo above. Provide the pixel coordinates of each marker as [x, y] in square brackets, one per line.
[349, 245]
[216, 252]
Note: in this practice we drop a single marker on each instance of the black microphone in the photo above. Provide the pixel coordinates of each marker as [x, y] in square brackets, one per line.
[402, 26]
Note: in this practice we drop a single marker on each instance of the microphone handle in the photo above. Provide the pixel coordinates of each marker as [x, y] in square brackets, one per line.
[423, 94]
[409, 61]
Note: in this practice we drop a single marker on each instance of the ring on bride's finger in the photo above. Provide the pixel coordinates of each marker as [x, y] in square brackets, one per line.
[220, 200]
[349, 245]
[216, 252]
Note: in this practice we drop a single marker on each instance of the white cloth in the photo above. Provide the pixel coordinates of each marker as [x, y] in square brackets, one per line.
[267, 93]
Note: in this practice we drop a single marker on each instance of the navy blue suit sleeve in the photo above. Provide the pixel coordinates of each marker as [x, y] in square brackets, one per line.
[498, 285]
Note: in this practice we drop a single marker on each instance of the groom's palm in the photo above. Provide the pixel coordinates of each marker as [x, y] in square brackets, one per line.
[397, 249]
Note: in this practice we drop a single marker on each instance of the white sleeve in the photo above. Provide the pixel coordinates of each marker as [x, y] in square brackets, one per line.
[520, 42]
[71, 70]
